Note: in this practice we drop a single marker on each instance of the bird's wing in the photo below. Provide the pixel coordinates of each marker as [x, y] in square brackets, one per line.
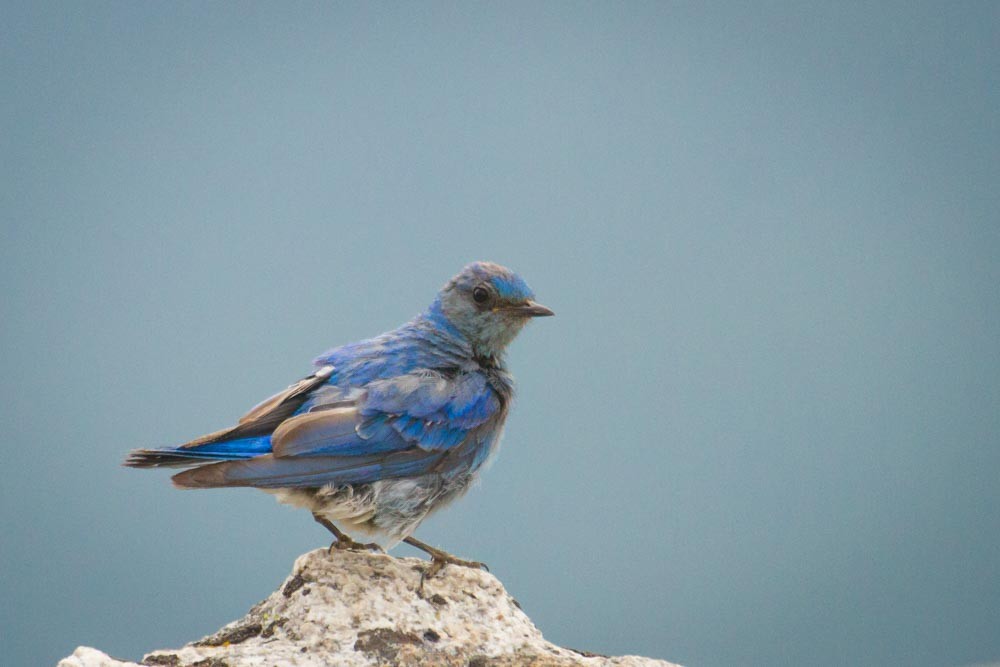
[292, 397]
[425, 410]
[270, 472]
[267, 415]
[249, 438]
[397, 427]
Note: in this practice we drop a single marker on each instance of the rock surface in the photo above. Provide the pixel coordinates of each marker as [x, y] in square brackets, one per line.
[362, 609]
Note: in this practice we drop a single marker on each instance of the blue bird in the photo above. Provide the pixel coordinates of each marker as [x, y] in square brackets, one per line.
[385, 431]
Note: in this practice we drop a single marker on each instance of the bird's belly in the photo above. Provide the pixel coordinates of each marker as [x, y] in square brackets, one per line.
[350, 507]
[392, 508]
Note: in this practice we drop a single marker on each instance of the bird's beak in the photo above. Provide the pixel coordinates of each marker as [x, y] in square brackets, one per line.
[532, 309]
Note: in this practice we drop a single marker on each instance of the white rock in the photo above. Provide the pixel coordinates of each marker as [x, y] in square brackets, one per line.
[361, 609]
[84, 656]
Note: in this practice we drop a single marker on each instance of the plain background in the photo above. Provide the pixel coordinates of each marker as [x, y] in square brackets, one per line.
[761, 430]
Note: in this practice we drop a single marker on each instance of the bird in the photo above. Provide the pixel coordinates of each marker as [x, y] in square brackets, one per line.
[384, 431]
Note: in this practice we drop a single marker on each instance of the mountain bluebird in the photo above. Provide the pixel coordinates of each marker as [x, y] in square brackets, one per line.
[386, 430]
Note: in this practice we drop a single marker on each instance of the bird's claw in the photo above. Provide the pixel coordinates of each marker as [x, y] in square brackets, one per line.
[439, 559]
[351, 545]
[438, 562]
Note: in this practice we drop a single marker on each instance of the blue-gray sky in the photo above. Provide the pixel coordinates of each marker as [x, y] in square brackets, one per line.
[761, 430]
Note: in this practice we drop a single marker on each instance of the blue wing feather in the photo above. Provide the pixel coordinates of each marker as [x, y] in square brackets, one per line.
[432, 411]
[269, 471]
[397, 427]
[243, 448]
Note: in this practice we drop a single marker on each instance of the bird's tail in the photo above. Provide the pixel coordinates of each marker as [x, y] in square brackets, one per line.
[193, 454]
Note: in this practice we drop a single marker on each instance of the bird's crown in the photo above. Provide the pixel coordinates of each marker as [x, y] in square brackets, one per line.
[508, 285]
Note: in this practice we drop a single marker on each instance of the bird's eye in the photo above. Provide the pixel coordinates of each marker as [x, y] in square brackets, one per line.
[480, 295]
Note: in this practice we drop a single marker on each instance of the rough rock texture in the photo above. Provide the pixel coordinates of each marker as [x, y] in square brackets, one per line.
[355, 609]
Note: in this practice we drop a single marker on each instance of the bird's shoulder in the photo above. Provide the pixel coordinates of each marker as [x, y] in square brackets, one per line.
[495, 373]
[413, 347]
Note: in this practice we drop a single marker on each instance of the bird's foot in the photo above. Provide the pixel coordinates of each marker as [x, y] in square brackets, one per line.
[347, 544]
[344, 541]
[441, 558]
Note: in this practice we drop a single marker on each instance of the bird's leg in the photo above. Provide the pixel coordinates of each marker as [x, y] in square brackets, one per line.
[344, 540]
[440, 558]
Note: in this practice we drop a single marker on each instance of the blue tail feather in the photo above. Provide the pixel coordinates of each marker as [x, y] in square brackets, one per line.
[231, 450]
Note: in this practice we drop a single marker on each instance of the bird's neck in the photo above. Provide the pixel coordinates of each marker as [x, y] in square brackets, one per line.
[484, 355]
[434, 315]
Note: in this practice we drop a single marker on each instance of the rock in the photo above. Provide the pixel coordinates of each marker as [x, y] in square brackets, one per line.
[363, 609]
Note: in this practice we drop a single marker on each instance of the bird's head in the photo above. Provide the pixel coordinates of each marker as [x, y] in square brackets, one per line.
[488, 305]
